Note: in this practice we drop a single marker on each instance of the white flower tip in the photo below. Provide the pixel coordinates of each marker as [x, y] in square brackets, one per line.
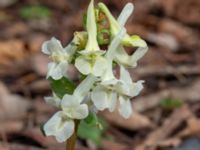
[129, 6]
[45, 49]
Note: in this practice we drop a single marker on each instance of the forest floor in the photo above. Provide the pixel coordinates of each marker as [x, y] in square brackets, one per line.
[166, 114]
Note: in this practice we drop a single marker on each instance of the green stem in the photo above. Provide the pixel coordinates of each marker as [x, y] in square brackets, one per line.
[72, 140]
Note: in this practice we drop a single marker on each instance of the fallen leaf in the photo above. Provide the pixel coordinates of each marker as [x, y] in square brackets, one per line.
[135, 122]
[12, 106]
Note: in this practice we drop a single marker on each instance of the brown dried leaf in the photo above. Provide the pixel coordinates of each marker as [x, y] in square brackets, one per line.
[12, 106]
[135, 122]
[11, 50]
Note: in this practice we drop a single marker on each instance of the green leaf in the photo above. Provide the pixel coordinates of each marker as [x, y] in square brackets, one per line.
[170, 103]
[35, 12]
[90, 129]
[91, 119]
[62, 86]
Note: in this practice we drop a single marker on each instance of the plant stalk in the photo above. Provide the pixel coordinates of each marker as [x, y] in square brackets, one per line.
[71, 142]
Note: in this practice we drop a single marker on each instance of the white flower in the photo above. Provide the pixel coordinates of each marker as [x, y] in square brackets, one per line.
[60, 58]
[61, 125]
[72, 108]
[104, 97]
[131, 41]
[127, 89]
[91, 59]
[105, 94]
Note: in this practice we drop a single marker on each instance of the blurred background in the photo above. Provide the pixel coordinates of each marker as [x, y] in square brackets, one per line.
[167, 112]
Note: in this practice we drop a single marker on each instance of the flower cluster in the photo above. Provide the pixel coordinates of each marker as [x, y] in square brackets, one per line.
[100, 89]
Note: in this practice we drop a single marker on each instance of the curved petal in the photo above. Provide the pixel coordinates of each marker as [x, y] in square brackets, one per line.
[138, 54]
[65, 130]
[91, 28]
[83, 65]
[57, 71]
[112, 101]
[133, 41]
[112, 82]
[122, 57]
[125, 75]
[54, 101]
[63, 67]
[99, 98]
[125, 108]
[136, 41]
[50, 127]
[80, 112]
[51, 46]
[125, 14]
[84, 87]
[122, 88]
[54, 71]
[114, 44]
[87, 52]
[70, 49]
[136, 88]
[108, 73]
[99, 66]
[69, 101]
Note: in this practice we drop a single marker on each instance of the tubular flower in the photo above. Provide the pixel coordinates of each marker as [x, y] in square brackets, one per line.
[91, 59]
[131, 41]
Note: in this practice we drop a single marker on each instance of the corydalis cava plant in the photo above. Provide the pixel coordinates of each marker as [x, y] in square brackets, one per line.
[100, 89]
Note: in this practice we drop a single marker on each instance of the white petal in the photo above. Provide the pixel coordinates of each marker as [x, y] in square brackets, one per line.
[63, 66]
[69, 101]
[70, 49]
[123, 88]
[125, 108]
[99, 98]
[84, 87]
[114, 44]
[136, 88]
[99, 66]
[45, 49]
[113, 82]
[91, 28]
[108, 73]
[125, 14]
[80, 112]
[65, 130]
[55, 71]
[54, 101]
[112, 101]
[83, 65]
[125, 75]
[50, 127]
[122, 57]
[138, 54]
[52, 45]
[88, 52]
